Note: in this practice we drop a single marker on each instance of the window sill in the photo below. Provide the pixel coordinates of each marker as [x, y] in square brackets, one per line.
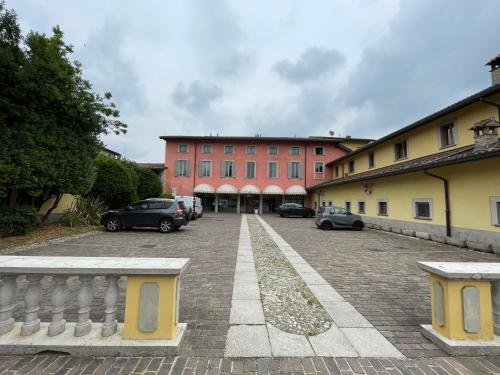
[382, 215]
[401, 159]
[423, 218]
[361, 213]
[447, 146]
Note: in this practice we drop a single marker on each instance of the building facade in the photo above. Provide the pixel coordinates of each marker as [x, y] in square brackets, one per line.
[242, 174]
[439, 175]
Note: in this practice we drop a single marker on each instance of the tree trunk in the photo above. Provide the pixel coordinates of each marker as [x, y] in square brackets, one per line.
[54, 206]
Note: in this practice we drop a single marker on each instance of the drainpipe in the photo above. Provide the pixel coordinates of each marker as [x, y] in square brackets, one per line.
[446, 201]
[493, 104]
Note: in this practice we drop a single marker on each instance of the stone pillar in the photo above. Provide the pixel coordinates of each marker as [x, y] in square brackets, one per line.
[7, 302]
[495, 296]
[31, 302]
[283, 199]
[260, 204]
[216, 209]
[238, 201]
[58, 300]
[84, 297]
[110, 300]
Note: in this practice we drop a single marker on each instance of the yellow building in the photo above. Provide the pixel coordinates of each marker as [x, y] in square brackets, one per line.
[439, 175]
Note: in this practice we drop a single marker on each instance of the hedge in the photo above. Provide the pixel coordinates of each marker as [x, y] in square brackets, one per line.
[17, 221]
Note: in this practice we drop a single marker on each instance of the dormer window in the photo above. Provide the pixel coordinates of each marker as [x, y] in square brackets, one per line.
[400, 150]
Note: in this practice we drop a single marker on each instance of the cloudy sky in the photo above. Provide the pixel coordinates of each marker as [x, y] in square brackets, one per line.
[358, 67]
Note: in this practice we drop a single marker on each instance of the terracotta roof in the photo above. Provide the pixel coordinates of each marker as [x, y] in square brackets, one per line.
[441, 159]
[152, 165]
[477, 97]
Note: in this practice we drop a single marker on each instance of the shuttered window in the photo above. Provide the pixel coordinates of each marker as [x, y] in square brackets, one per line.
[272, 169]
[250, 169]
[182, 168]
[205, 168]
[228, 168]
[295, 169]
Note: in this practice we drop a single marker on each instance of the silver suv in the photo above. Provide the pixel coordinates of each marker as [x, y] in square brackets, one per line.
[338, 217]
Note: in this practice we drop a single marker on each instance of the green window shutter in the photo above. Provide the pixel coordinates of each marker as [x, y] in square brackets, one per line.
[222, 169]
[177, 168]
[188, 168]
[301, 171]
[289, 169]
[233, 165]
[200, 169]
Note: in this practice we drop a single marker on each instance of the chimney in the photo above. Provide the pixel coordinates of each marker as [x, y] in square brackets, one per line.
[494, 65]
[485, 133]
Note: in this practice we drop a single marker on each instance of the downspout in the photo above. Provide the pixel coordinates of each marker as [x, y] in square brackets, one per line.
[446, 201]
[493, 104]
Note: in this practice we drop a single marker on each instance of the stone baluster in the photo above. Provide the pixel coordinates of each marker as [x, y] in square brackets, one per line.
[32, 297]
[85, 295]
[58, 299]
[7, 297]
[110, 300]
[495, 297]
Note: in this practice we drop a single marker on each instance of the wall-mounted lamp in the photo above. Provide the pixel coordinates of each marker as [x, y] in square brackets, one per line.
[367, 189]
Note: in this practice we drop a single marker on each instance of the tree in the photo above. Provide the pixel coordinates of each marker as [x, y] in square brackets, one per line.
[115, 183]
[50, 119]
[149, 185]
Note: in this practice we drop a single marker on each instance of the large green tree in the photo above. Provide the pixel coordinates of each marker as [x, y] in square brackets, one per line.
[50, 118]
[149, 185]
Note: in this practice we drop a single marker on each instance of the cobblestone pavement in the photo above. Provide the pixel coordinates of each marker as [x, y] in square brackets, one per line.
[376, 272]
[384, 286]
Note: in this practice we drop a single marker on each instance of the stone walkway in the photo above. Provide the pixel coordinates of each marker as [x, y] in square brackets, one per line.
[375, 272]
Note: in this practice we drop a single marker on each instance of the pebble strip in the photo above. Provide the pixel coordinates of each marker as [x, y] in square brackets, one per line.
[287, 301]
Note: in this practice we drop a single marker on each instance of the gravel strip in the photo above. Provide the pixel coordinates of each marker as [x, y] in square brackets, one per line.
[287, 301]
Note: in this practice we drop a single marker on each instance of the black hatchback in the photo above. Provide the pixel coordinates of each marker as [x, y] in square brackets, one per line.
[295, 209]
[164, 214]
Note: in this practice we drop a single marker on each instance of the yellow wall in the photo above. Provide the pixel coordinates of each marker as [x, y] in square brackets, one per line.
[425, 139]
[470, 184]
[65, 203]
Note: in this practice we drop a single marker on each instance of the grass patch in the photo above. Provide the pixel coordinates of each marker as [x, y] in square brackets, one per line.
[43, 233]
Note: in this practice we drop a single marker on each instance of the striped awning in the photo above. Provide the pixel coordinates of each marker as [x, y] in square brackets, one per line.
[204, 188]
[226, 189]
[295, 190]
[273, 189]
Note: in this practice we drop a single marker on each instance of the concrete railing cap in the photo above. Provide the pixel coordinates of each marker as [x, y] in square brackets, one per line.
[462, 270]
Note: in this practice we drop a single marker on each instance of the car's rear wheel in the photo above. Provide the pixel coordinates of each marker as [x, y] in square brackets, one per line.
[167, 225]
[113, 224]
[357, 225]
[326, 225]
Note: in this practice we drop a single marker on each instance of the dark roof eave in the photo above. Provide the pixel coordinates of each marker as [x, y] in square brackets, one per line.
[243, 138]
[407, 170]
[492, 90]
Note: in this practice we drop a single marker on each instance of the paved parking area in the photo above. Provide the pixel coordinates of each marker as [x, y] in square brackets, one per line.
[373, 271]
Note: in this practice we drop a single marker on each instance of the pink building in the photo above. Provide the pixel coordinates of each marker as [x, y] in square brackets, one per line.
[241, 174]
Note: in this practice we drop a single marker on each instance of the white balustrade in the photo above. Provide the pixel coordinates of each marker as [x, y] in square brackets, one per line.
[32, 334]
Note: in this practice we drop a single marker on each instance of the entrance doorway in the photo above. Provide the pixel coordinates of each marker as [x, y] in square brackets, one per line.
[249, 203]
[270, 203]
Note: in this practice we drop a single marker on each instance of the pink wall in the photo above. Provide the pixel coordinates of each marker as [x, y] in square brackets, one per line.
[185, 185]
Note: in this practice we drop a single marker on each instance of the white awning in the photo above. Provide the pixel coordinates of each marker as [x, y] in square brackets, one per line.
[249, 189]
[204, 188]
[227, 189]
[295, 190]
[273, 189]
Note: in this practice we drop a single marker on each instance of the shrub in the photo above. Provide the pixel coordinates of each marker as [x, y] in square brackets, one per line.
[84, 211]
[17, 221]
[149, 185]
[116, 182]
[166, 196]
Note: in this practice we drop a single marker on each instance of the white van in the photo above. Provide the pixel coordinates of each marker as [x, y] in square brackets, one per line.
[193, 205]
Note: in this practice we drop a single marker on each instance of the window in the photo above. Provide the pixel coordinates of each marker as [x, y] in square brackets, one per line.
[228, 169]
[181, 168]
[330, 203]
[336, 171]
[205, 168]
[160, 205]
[295, 150]
[495, 210]
[251, 149]
[447, 134]
[361, 207]
[400, 150]
[323, 203]
[371, 160]
[351, 166]
[319, 150]
[315, 205]
[294, 169]
[382, 207]
[348, 206]
[250, 169]
[228, 149]
[422, 208]
[272, 150]
[272, 169]
[183, 148]
[207, 149]
[319, 167]
[139, 205]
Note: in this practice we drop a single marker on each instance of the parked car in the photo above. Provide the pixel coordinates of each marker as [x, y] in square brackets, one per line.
[165, 214]
[338, 217]
[295, 209]
[193, 205]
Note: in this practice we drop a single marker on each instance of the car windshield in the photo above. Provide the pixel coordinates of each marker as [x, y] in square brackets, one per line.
[340, 210]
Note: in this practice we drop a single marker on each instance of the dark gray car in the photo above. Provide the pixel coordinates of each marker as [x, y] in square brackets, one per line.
[338, 217]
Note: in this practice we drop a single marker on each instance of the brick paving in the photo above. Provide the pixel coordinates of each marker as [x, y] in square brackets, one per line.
[374, 271]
